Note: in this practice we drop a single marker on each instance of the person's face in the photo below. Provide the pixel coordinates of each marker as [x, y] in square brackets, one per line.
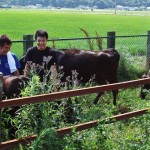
[5, 49]
[41, 43]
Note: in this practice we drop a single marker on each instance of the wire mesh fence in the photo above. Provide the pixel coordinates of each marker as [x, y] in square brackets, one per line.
[135, 48]
[79, 43]
[136, 45]
[17, 48]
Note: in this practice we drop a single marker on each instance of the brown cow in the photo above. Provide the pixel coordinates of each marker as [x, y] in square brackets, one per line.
[102, 64]
[12, 85]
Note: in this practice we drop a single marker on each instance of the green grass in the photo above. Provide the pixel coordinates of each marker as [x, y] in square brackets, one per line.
[66, 24]
[59, 24]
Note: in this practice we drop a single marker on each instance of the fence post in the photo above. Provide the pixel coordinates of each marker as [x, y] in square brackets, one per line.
[28, 42]
[1, 90]
[148, 51]
[111, 39]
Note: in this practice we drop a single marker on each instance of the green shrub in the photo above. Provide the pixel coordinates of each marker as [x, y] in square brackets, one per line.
[129, 69]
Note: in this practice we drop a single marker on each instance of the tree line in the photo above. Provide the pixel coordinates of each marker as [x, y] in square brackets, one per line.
[76, 3]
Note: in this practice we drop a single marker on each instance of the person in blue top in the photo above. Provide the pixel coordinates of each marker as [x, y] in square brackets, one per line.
[9, 63]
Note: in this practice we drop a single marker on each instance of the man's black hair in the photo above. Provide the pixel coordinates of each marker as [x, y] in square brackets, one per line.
[41, 33]
[4, 39]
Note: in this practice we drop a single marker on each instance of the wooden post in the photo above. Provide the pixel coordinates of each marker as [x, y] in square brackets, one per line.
[148, 51]
[28, 42]
[111, 39]
[1, 90]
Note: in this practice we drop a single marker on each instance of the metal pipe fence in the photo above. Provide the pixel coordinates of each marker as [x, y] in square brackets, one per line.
[71, 93]
[67, 130]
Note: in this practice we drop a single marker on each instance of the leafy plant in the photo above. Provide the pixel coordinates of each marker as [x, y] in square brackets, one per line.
[47, 140]
[91, 41]
[126, 70]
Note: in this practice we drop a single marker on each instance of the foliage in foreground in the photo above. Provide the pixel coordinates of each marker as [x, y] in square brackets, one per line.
[44, 118]
[130, 134]
[130, 68]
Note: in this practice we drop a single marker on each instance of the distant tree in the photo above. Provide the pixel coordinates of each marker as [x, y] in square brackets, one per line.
[75, 3]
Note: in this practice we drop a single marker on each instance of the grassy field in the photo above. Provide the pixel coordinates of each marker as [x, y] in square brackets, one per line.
[66, 24]
[61, 24]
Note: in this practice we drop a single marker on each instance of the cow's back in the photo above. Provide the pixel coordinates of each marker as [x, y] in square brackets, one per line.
[88, 63]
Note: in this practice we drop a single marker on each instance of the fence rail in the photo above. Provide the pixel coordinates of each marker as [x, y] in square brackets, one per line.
[83, 38]
[66, 94]
[71, 93]
[63, 131]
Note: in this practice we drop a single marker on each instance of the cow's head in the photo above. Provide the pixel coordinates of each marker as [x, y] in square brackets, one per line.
[12, 85]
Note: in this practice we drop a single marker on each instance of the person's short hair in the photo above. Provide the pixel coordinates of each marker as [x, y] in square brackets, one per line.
[41, 33]
[4, 39]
